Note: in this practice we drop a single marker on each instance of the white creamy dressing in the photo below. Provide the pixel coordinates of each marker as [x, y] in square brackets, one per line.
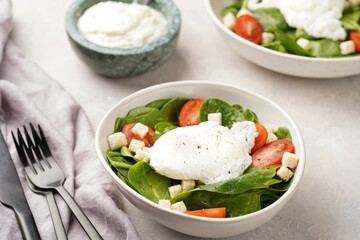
[121, 25]
[319, 18]
[207, 152]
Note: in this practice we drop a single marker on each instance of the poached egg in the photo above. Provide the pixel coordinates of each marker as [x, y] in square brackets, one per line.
[319, 18]
[207, 152]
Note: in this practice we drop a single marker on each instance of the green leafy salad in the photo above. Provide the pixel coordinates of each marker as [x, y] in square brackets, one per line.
[202, 157]
[326, 30]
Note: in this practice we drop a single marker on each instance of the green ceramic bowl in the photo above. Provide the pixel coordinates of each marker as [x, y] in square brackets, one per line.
[116, 62]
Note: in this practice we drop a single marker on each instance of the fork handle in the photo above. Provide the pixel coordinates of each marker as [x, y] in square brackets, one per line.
[55, 216]
[27, 224]
[78, 213]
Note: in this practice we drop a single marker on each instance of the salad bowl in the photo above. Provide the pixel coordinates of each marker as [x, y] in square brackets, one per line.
[267, 111]
[289, 64]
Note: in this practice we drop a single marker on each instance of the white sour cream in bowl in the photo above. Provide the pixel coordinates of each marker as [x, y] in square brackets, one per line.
[121, 25]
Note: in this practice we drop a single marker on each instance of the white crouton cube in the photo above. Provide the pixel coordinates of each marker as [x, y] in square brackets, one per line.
[347, 47]
[146, 149]
[271, 137]
[140, 129]
[142, 155]
[243, 11]
[136, 145]
[215, 117]
[187, 185]
[269, 128]
[117, 140]
[354, 2]
[284, 173]
[179, 206]
[165, 203]
[304, 43]
[267, 37]
[290, 160]
[229, 21]
[175, 190]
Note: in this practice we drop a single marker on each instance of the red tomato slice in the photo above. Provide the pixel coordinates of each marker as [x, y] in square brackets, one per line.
[271, 153]
[130, 135]
[355, 37]
[211, 212]
[249, 28]
[260, 140]
[189, 114]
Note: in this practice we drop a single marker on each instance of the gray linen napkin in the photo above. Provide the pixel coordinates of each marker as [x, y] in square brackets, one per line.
[27, 94]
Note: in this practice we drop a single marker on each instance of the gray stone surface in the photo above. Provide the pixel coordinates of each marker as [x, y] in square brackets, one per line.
[327, 203]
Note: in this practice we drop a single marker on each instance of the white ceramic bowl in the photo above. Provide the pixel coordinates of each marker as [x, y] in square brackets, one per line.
[267, 111]
[277, 61]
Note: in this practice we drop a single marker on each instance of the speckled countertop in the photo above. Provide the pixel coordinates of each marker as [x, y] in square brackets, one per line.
[327, 203]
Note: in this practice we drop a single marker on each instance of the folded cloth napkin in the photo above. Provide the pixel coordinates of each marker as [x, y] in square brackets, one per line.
[27, 94]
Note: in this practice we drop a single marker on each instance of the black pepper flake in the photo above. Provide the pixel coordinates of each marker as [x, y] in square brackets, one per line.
[198, 146]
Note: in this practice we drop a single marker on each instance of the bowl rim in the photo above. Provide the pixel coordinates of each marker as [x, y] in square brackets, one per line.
[74, 33]
[284, 197]
[230, 33]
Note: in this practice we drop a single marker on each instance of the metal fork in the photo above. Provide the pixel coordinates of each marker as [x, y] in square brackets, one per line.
[45, 173]
[54, 211]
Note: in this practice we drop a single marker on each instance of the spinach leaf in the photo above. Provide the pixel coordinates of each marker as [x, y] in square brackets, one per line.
[123, 172]
[124, 151]
[149, 119]
[229, 114]
[171, 110]
[164, 127]
[281, 187]
[149, 183]
[250, 116]
[290, 44]
[117, 157]
[276, 45]
[271, 17]
[243, 204]
[269, 183]
[243, 183]
[234, 9]
[350, 21]
[238, 107]
[236, 205]
[283, 133]
[157, 103]
[139, 111]
[126, 180]
[325, 48]
[156, 136]
[300, 33]
[118, 125]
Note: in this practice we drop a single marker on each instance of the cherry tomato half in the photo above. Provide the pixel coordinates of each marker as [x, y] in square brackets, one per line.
[355, 37]
[260, 140]
[211, 212]
[271, 153]
[130, 135]
[190, 113]
[249, 28]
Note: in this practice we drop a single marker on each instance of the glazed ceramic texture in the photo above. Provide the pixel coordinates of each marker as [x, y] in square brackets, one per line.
[266, 110]
[116, 62]
[281, 62]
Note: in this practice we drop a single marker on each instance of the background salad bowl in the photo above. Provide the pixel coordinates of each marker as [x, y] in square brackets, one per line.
[281, 62]
[266, 110]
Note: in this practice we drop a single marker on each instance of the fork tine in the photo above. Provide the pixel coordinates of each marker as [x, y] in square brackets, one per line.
[32, 145]
[20, 150]
[41, 140]
[29, 152]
